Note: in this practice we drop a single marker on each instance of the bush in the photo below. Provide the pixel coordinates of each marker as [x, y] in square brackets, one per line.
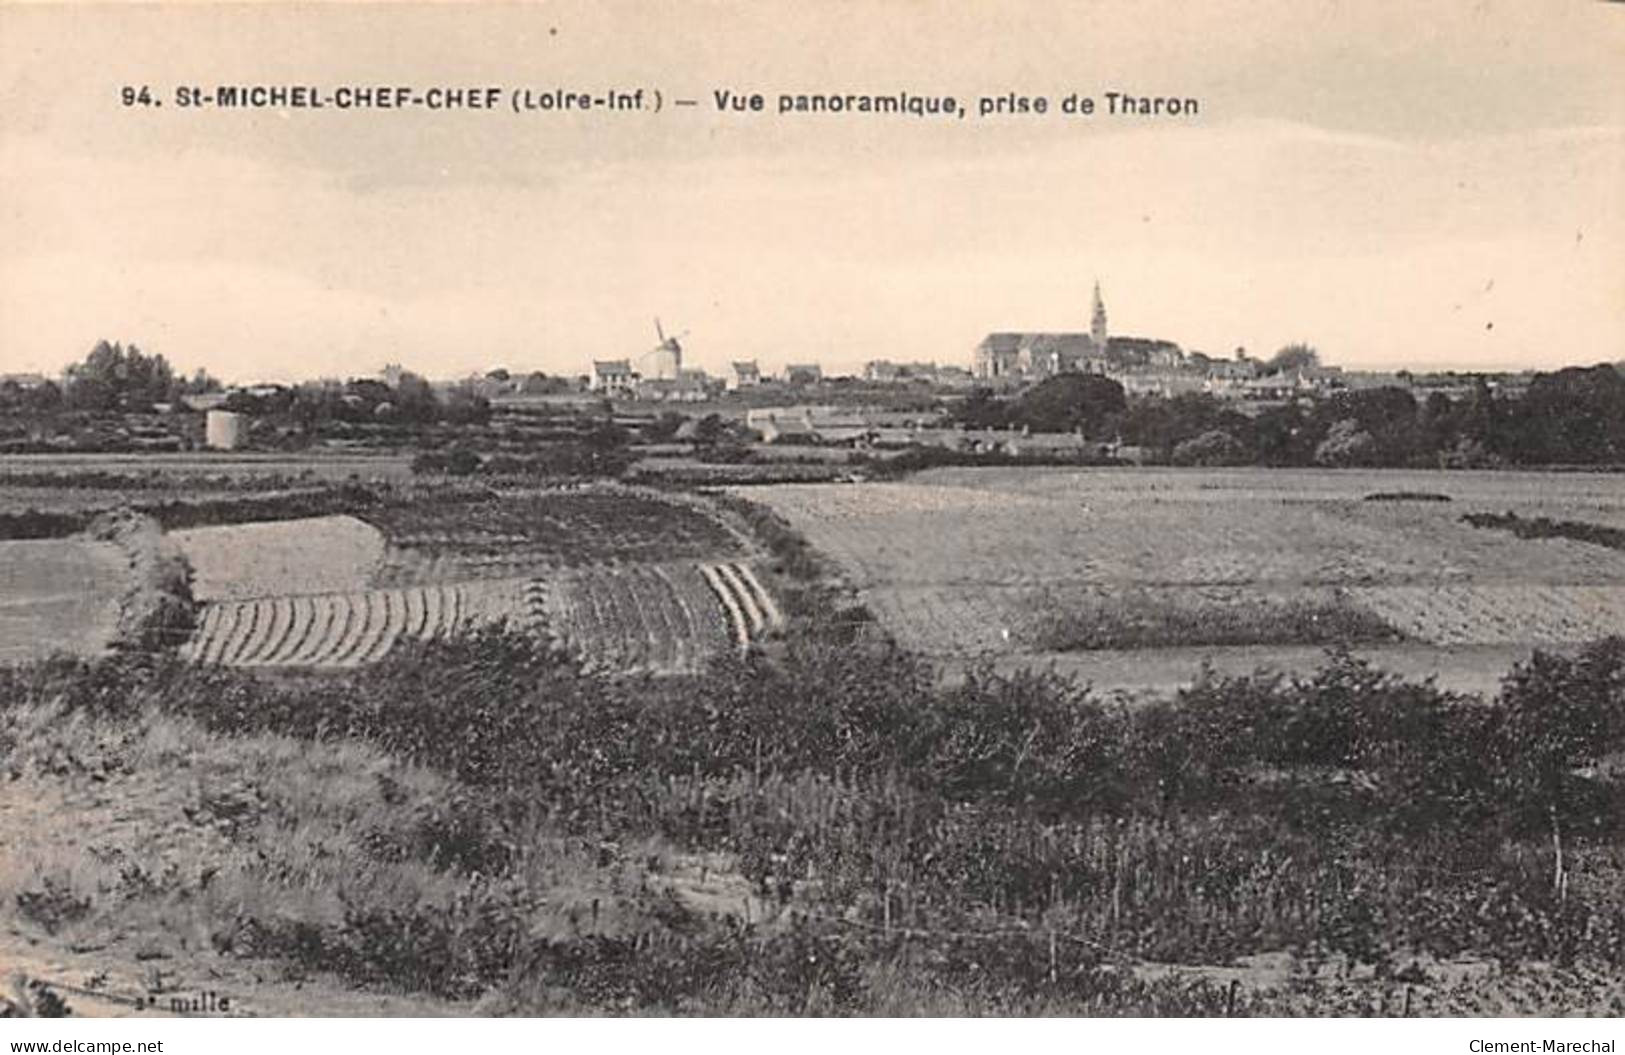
[157, 611]
[1545, 527]
[1141, 620]
[1212, 448]
[1346, 444]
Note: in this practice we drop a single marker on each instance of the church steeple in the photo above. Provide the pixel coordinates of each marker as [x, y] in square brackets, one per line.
[1097, 323]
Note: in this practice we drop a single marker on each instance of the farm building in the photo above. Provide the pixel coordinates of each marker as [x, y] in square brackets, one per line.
[743, 374]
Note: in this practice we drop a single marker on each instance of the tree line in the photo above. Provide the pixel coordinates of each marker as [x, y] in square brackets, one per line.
[115, 378]
[1573, 416]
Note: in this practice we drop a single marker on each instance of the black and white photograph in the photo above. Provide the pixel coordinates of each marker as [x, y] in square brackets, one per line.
[854, 510]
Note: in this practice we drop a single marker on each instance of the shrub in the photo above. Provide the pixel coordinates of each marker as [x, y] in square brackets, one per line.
[1545, 527]
[1141, 620]
[1214, 447]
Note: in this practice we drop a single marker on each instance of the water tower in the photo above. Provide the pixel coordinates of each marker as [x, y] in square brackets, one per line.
[224, 430]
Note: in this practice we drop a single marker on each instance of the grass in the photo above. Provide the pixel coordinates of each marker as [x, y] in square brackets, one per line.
[185, 843]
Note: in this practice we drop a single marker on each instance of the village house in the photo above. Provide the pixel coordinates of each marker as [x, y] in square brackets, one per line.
[691, 385]
[613, 377]
[803, 374]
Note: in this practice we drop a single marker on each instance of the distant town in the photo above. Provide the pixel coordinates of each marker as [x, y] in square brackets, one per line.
[1006, 359]
[1088, 395]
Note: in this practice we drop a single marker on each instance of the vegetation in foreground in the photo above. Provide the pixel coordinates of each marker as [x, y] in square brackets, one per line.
[477, 820]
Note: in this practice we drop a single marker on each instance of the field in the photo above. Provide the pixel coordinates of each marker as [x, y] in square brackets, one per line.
[795, 817]
[481, 533]
[58, 595]
[618, 577]
[297, 564]
[645, 618]
[658, 618]
[337, 630]
[237, 466]
[963, 563]
[311, 555]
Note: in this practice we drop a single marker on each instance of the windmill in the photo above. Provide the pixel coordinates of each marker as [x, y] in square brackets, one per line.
[665, 360]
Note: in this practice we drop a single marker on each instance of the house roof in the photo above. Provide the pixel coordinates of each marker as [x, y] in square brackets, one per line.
[1063, 343]
[612, 366]
[1139, 344]
[1040, 343]
[1001, 342]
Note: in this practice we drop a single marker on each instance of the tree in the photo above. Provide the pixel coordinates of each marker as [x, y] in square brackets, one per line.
[1070, 402]
[1214, 447]
[414, 399]
[1164, 424]
[1346, 444]
[537, 383]
[1390, 416]
[662, 428]
[1575, 415]
[112, 376]
[1294, 357]
[1284, 435]
[201, 382]
[464, 405]
[1562, 717]
[44, 398]
[607, 435]
[982, 410]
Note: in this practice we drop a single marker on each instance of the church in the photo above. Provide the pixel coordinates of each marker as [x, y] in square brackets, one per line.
[1030, 356]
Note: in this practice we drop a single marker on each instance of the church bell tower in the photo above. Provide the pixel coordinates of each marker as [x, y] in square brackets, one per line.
[1097, 321]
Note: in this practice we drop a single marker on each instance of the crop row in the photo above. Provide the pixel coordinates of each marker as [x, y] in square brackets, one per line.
[657, 618]
[751, 609]
[651, 618]
[1495, 614]
[335, 629]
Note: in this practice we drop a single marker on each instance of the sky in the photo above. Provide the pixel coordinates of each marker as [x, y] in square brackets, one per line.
[1419, 184]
